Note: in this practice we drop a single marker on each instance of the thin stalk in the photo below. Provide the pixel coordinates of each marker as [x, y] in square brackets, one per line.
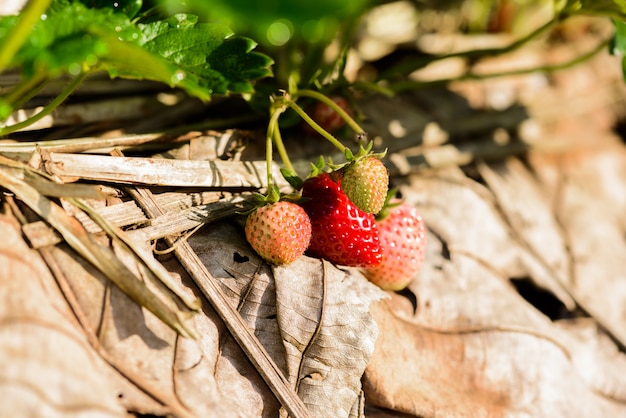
[48, 108]
[280, 147]
[18, 34]
[409, 85]
[330, 103]
[272, 127]
[406, 68]
[316, 126]
[503, 50]
[26, 89]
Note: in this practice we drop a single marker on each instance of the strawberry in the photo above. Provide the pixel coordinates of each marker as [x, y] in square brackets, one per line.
[365, 181]
[403, 240]
[341, 232]
[279, 232]
[326, 117]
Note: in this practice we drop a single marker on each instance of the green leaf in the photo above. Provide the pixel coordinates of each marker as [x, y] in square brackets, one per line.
[222, 63]
[127, 60]
[6, 24]
[63, 40]
[201, 58]
[235, 58]
[5, 109]
[292, 178]
[618, 45]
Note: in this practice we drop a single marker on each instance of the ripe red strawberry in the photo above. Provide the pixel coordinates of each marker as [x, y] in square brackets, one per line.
[342, 233]
[366, 181]
[279, 232]
[403, 241]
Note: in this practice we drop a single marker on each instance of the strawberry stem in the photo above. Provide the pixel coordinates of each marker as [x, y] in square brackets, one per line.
[272, 127]
[273, 134]
[56, 102]
[315, 125]
[330, 103]
[280, 147]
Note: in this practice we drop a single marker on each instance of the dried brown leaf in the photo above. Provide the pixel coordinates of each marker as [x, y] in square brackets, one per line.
[590, 210]
[47, 367]
[312, 319]
[483, 352]
[473, 346]
[328, 333]
[533, 223]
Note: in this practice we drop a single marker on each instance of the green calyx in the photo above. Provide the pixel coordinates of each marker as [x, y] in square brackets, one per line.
[391, 201]
[318, 167]
[292, 178]
[273, 196]
[363, 153]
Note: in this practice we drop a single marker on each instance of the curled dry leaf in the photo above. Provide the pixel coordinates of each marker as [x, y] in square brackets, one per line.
[475, 373]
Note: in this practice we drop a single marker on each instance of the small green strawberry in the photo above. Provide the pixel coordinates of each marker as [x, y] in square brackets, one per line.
[365, 181]
[402, 237]
[279, 232]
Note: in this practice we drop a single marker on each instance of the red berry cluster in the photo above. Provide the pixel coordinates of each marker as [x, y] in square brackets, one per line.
[335, 219]
[331, 226]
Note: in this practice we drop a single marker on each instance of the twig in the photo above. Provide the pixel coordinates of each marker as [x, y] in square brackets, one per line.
[157, 171]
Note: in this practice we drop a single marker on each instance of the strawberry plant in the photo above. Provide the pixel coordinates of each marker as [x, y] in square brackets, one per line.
[207, 49]
[285, 62]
